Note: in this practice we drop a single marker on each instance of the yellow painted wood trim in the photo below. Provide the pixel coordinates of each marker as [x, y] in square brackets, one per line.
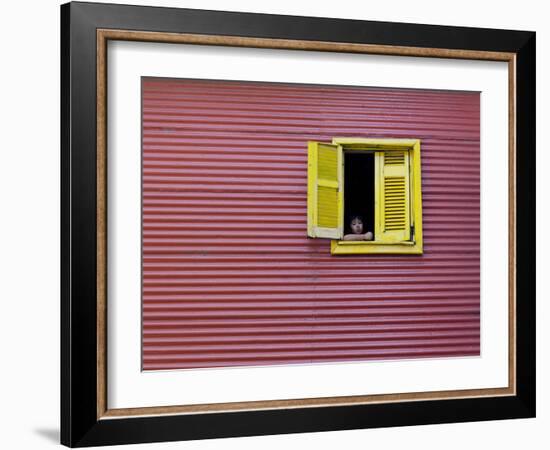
[326, 233]
[416, 196]
[328, 183]
[311, 190]
[340, 192]
[352, 243]
[377, 194]
[376, 143]
[373, 248]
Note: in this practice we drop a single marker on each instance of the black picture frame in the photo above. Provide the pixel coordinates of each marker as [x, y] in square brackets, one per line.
[80, 425]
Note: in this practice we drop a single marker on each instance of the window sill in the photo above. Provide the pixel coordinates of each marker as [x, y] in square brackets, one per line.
[373, 248]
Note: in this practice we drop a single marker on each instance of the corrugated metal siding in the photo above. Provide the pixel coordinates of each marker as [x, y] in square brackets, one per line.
[229, 276]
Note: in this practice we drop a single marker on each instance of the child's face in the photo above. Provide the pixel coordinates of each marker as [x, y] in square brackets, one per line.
[356, 226]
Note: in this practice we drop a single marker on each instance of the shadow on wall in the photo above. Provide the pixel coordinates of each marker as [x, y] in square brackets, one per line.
[50, 434]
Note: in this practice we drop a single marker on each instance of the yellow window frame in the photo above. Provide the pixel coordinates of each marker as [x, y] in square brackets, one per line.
[414, 246]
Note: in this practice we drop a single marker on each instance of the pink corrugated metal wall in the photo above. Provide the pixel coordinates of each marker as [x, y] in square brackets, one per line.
[229, 276]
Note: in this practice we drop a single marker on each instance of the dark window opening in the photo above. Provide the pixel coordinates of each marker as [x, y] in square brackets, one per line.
[359, 189]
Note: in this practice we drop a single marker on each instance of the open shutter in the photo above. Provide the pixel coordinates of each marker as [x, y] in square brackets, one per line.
[393, 222]
[325, 191]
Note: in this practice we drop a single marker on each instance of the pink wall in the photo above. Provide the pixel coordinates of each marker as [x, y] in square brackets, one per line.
[229, 276]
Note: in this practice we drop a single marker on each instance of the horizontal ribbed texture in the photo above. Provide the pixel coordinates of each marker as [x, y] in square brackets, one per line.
[229, 275]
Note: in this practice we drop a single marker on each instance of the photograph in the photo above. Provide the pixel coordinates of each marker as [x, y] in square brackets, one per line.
[293, 223]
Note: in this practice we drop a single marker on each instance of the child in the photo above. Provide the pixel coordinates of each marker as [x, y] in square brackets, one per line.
[356, 225]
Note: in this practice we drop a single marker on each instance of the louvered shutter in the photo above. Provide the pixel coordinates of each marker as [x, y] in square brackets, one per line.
[325, 196]
[393, 194]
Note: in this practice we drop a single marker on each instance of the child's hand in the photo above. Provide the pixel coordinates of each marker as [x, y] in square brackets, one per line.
[368, 236]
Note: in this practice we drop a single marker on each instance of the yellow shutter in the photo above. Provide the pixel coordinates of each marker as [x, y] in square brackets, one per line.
[393, 203]
[325, 191]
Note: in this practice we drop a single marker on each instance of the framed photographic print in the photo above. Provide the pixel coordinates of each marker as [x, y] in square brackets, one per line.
[277, 224]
